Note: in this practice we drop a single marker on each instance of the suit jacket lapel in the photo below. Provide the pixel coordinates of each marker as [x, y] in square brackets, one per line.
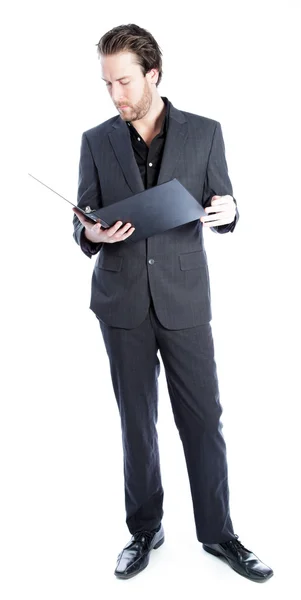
[175, 139]
[121, 141]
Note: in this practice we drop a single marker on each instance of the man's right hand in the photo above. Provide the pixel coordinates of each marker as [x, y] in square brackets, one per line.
[95, 233]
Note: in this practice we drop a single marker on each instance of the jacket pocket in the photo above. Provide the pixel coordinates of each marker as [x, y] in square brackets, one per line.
[192, 260]
[109, 262]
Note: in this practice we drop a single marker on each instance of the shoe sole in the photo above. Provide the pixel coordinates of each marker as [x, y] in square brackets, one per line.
[215, 553]
[122, 576]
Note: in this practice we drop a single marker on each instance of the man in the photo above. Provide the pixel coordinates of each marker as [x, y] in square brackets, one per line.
[155, 295]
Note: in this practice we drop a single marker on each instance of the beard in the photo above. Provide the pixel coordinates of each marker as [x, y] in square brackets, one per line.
[140, 109]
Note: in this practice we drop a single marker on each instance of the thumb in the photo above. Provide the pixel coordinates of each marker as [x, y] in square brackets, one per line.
[97, 226]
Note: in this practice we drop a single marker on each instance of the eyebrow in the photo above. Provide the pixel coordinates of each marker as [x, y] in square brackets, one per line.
[124, 77]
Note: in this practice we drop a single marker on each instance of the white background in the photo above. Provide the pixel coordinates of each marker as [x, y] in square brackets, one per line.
[62, 500]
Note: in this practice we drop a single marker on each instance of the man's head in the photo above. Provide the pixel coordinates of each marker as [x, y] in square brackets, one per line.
[132, 69]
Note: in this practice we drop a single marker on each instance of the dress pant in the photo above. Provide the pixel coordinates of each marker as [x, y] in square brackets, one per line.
[191, 377]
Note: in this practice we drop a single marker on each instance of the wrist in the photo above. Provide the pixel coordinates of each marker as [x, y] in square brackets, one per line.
[86, 235]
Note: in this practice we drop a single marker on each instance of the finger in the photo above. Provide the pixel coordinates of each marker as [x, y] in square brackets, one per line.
[126, 227]
[211, 209]
[211, 218]
[119, 237]
[217, 223]
[129, 232]
[219, 214]
[123, 229]
[95, 228]
[227, 199]
[113, 229]
[219, 202]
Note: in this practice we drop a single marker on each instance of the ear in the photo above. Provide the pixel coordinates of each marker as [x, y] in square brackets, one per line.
[153, 75]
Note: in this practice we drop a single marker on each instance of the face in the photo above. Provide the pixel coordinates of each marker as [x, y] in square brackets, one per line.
[131, 92]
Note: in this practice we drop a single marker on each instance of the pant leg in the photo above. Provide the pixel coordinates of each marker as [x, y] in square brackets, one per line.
[135, 369]
[190, 368]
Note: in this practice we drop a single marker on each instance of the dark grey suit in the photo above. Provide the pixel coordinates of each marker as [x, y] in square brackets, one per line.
[155, 295]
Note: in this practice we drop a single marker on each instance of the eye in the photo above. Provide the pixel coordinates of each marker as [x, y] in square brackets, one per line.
[109, 83]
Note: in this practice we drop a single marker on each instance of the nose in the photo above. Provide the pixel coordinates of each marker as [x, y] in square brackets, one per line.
[118, 101]
[115, 95]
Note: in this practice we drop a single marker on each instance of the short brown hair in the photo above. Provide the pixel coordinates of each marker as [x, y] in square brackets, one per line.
[134, 39]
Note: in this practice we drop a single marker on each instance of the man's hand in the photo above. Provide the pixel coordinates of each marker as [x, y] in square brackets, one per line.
[95, 233]
[225, 209]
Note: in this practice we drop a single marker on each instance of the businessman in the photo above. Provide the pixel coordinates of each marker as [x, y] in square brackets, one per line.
[154, 295]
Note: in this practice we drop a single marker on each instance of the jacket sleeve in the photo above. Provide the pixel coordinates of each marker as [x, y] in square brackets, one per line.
[89, 194]
[217, 181]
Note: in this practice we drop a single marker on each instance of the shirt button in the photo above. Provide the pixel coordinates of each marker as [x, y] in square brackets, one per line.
[151, 261]
[150, 164]
[138, 139]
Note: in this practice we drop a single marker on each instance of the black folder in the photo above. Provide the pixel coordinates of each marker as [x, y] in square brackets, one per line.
[154, 210]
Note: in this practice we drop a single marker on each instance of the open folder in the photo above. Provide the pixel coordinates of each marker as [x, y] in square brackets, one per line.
[152, 211]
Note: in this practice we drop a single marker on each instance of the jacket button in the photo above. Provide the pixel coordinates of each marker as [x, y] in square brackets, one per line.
[151, 261]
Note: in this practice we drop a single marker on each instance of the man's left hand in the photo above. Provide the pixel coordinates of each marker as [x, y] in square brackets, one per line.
[225, 209]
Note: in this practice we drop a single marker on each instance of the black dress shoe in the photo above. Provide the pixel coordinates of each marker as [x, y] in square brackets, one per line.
[135, 556]
[242, 560]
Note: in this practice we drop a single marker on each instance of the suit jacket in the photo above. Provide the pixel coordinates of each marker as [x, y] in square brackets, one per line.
[171, 266]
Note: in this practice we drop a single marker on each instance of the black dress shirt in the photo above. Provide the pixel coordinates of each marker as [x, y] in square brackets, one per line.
[149, 158]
